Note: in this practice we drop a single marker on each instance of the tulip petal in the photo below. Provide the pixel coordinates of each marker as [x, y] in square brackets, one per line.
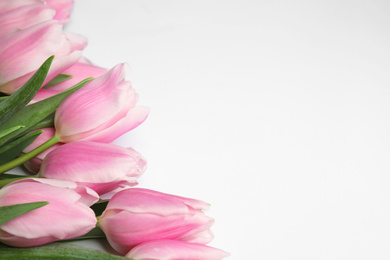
[173, 249]
[39, 41]
[23, 17]
[7, 5]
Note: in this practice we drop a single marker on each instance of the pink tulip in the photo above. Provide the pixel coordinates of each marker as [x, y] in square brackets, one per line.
[23, 17]
[134, 216]
[63, 9]
[173, 250]
[101, 111]
[34, 164]
[68, 214]
[23, 51]
[99, 166]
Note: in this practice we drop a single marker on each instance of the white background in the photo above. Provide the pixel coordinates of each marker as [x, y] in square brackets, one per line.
[274, 112]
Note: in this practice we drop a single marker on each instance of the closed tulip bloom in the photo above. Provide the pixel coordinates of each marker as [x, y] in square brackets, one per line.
[68, 214]
[101, 111]
[99, 166]
[18, 63]
[34, 164]
[134, 216]
[23, 17]
[173, 250]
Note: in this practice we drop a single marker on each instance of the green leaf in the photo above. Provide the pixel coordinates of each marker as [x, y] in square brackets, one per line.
[99, 207]
[33, 114]
[11, 150]
[8, 178]
[5, 176]
[97, 232]
[10, 130]
[8, 213]
[3, 98]
[44, 123]
[22, 96]
[58, 251]
[60, 78]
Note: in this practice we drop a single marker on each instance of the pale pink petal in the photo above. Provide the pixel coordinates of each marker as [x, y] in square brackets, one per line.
[79, 72]
[34, 44]
[174, 250]
[77, 42]
[134, 118]
[58, 65]
[63, 9]
[7, 5]
[23, 17]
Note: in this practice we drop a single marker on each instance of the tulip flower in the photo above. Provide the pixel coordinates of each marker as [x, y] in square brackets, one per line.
[23, 17]
[173, 250]
[134, 216]
[101, 111]
[67, 215]
[34, 164]
[63, 9]
[43, 40]
[99, 166]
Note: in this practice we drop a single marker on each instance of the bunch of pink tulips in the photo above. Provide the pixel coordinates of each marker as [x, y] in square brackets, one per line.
[59, 115]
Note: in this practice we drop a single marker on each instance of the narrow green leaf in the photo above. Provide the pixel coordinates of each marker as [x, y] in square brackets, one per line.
[58, 251]
[8, 213]
[3, 98]
[10, 130]
[60, 78]
[22, 96]
[97, 232]
[33, 114]
[4, 182]
[5, 176]
[11, 150]
[99, 207]
[46, 122]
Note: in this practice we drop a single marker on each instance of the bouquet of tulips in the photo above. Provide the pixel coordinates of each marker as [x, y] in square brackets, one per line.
[59, 115]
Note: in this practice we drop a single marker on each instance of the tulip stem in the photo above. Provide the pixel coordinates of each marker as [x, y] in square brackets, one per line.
[24, 158]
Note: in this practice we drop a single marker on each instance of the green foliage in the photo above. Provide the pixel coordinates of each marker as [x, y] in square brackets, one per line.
[8, 213]
[58, 251]
[23, 96]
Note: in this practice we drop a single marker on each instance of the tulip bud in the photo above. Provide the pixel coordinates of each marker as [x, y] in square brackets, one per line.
[99, 166]
[134, 216]
[173, 250]
[101, 111]
[67, 215]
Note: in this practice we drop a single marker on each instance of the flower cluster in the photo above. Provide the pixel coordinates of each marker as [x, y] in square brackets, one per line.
[59, 115]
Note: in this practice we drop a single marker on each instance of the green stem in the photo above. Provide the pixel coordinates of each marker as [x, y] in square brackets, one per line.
[8, 181]
[24, 158]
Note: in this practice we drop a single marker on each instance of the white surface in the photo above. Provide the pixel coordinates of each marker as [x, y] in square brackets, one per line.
[274, 112]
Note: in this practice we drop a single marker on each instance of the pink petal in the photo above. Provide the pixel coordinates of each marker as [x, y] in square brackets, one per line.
[23, 17]
[173, 250]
